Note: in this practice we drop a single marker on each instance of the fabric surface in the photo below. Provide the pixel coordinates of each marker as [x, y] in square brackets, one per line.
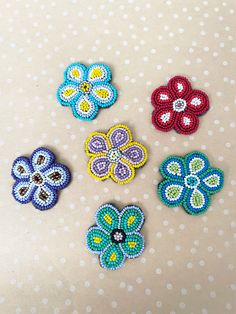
[188, 265]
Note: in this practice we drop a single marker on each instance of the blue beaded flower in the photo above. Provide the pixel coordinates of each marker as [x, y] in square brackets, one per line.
[190, 182]
[86, 89]
[116, 236]
[39, 178]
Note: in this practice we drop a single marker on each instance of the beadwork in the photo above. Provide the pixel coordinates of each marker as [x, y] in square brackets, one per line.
[116, 235]
[114, 154]
[177, 106]
[86, 89]
[190, 182]
[39, 178]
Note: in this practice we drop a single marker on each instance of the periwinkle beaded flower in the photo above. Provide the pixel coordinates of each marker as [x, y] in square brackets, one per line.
[116, 235]
[114, 154]
[39, 178]
[86, 89]
[177, 106]
[189, 181]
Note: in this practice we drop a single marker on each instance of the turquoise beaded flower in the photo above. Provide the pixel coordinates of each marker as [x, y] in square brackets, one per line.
[116, 236]
[190, 182]
[86, 89]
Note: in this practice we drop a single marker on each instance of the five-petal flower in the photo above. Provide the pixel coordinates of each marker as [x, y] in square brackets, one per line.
[177, 106]
[190, 182]
[86, 89]
[116, 235]
[39, 178]
[114, 154]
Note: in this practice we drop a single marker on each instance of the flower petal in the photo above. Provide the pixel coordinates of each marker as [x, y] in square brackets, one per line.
[196, 163]
[164, 119]
[99, 167]
[44, 197]
[67, 93]
[133, 245]
[212, 180]
[21, 168]
[179, 86]
[135, 153]
[97, 240]
[196, 202]
[103, 94]
[84, 108]
[173, 168]
[76, 72]
[107, 218]
[131, 219]
[99, 72]
[171, 192]
[42, 158]
[122, 172]
[23, 191]
[187, 122]
[112, 258]
[162, 96]
[58, 176]
[119, 135]
[96, 143]
[198, 102]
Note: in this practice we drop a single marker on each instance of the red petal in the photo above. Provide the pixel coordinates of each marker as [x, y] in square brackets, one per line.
[180, 86]
[187, 123]
[198, 102]
[164, 119]
[162, 96]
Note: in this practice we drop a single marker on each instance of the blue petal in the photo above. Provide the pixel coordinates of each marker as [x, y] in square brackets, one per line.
[196, 163]
[85, 108]
[58, 176]
[23, 191]
[98, 72]
[68, 93]
[197, 201]
[21, 168]
[173, 168]
[76, 73]
[172, 193]
[104, 94]
[44, 197]
[42, 158]
[212, 180]
[112, 257]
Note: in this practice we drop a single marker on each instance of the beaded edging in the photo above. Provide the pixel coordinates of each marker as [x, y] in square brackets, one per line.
[39, 178]
[114, 154]
[189, 181]
[116, 236]
[86, 89]
[177, 106]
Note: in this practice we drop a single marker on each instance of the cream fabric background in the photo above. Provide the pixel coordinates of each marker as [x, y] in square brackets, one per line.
[189, 263]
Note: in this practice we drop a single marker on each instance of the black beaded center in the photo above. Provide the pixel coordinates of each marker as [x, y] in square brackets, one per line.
[118, 236]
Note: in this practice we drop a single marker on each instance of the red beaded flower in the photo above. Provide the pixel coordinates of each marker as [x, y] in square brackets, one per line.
[177, 106]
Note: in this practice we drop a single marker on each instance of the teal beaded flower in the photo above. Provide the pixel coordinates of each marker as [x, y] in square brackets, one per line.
[116, 236]
[190, 182]
[86, 89]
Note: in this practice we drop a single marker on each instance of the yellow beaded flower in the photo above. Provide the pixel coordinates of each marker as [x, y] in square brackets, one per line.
[114, 154]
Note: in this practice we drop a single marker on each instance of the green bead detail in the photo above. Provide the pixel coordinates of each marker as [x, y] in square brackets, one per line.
[173, 192]
[133, 245]
[107, 218]
[97, 240]
[131, 219]
[112, 257]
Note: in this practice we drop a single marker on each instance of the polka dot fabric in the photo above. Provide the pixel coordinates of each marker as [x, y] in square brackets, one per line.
[188, 265]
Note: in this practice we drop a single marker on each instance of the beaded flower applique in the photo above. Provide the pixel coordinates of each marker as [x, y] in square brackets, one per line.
[190, 182]
[177, 106]
[114, 154]
[86, 89]
[39, 178]
[116, 235]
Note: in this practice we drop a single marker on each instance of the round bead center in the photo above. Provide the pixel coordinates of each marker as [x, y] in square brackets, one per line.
[37, 178]
[118, 236]
[114, 155]
[191, 181]
[85, 87]
[179, 105]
